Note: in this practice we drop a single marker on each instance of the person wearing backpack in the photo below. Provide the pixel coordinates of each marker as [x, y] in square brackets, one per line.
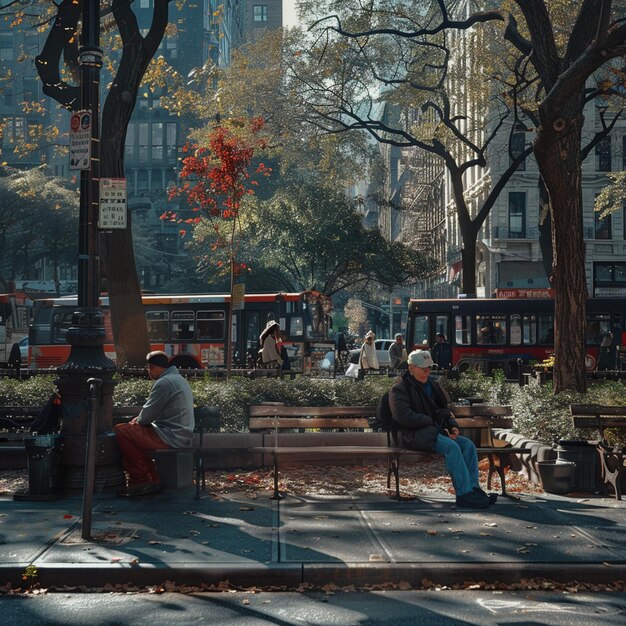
[423, 422]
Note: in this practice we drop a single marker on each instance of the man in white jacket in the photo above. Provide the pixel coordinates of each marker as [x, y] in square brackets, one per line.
[166, 421]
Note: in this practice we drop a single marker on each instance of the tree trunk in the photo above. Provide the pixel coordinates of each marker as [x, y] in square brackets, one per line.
[545, 230]
[468, 257]
[557, 150]
[127, 315]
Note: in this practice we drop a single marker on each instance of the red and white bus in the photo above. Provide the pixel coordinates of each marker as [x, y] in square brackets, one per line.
[191, 329]
[16, 312]
[493, 333]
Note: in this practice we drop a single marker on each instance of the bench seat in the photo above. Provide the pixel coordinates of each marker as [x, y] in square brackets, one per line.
[272, 419]
[613, 459]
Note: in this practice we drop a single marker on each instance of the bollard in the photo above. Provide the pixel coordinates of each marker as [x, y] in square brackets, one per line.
[90, 456]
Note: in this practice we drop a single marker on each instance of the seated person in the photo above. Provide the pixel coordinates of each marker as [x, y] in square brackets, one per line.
[424, 423]
[166, 421]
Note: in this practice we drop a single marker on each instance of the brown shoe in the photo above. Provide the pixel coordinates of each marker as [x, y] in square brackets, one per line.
[140, 490]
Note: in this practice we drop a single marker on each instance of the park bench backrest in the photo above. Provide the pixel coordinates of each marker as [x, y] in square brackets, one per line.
[597, 415]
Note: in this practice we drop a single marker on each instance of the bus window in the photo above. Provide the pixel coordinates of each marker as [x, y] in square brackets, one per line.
[529, 335]
[210, 325]
[421, 335]
[61, 321]
[182, 325]
[491, 329]
[252, 330]
[441, 325]
[462, 330]
[296, 327]
[157, 322]
[598, 325]
[545, 329]
[515, 330]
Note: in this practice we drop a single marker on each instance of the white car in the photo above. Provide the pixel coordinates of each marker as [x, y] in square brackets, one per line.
[382, 352]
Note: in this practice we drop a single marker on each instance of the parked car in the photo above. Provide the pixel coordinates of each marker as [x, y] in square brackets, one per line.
[382, 352]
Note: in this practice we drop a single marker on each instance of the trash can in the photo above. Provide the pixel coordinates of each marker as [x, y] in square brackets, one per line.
[556, 476]
[44, 467]
[583, 454]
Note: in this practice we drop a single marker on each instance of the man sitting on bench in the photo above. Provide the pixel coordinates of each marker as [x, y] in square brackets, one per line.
[166, 421]
[419, 407]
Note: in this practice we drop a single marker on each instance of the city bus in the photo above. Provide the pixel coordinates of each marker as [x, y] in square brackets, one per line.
[191, 329]
[493, 333]
[16, 312]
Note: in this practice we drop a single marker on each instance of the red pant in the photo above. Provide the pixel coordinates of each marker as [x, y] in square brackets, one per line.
[136, 442]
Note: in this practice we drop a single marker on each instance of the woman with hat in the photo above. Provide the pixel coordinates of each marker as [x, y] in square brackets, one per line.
[269, 350]
[368, 359]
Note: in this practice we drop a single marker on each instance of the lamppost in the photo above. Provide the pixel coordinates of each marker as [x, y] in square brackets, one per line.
[86, 335]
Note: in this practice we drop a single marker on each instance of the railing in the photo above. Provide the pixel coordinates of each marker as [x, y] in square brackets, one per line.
[499, 232]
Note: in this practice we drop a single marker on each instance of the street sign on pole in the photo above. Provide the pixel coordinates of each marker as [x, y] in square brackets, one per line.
[239, 290]
[112, 204]
[80, 140]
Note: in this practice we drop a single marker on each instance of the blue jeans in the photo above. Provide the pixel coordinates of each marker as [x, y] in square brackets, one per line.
[461, 462]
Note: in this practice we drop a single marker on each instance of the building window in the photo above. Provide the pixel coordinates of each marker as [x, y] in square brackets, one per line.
[518, 145]
[130, 141]
[143, 141]
[31, 89]
[6, 47]
[260, 12]
[609, 279]
[603, 155]
[157, 141]
[602, 225]
[517, 214]
[172, 150]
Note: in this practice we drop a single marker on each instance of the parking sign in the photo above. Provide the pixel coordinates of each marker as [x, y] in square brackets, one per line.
[112, 213]
[80, 140]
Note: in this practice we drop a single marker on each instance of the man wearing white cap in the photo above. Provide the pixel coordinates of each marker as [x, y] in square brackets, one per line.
[424, 422]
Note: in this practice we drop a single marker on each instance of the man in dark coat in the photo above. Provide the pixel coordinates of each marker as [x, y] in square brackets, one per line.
[419, 407]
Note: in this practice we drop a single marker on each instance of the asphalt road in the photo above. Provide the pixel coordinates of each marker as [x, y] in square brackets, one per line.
[428, 608]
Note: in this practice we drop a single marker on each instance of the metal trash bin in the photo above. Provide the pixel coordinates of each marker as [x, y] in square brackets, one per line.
[583, 454]
[556, 476]
[44, 467]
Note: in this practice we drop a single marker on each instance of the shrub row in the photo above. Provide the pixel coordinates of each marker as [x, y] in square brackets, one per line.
[538, 414]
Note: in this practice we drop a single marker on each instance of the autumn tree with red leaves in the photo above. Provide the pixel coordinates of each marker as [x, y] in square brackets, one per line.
[218, 178]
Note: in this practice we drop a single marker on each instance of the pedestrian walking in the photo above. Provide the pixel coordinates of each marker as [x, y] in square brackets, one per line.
[368, 359]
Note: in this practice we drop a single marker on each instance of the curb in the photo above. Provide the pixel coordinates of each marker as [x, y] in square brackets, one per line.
[317, 575]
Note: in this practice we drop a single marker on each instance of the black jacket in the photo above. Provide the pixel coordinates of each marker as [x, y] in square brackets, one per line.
[418, 418]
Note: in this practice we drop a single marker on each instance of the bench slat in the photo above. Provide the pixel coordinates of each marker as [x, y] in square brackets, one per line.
[313, 411]
[266, 423]
[580, 410]
[476, 422]
[481, 410]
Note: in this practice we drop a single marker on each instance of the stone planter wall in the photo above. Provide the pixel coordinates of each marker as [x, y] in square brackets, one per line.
[526, 464]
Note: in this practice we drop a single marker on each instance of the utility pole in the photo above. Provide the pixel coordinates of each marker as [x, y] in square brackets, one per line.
[86, 334]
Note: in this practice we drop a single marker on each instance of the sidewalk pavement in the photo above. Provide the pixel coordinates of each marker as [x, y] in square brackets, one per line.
[359, 540]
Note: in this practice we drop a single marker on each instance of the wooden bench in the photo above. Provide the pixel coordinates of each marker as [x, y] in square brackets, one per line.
[613, 459]
[272, 419]
[175, 465]
[477, 422]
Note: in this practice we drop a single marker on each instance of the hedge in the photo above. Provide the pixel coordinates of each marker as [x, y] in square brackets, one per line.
[537, 413]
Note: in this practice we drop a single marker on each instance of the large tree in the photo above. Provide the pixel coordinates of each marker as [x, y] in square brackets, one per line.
[555, 63]
[36, 223]
[137, 50]
[309, 236]
[379, 69]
